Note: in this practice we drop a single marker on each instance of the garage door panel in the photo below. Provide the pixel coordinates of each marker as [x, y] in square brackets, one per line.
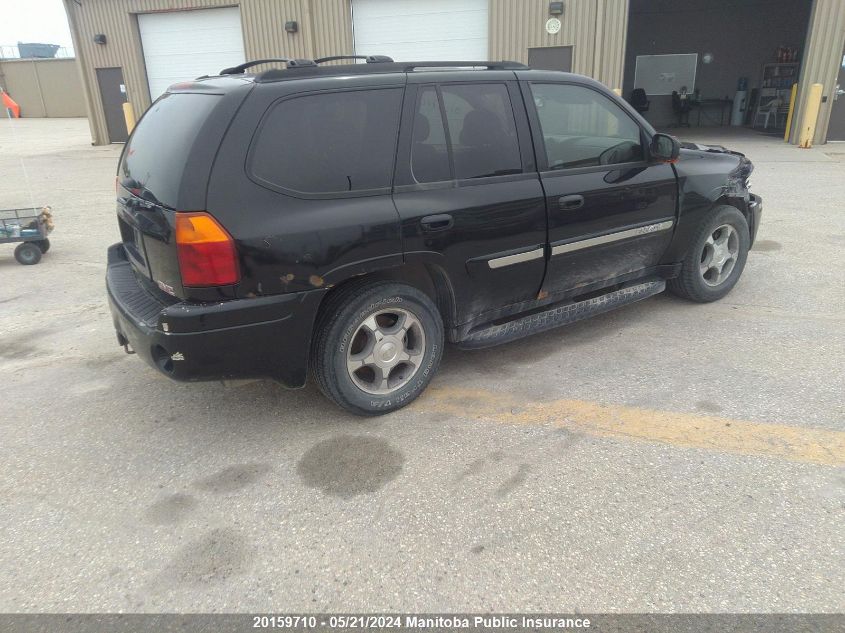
[421, 29]
[182, 45]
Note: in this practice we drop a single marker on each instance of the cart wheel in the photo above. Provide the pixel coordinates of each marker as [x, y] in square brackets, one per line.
[44, 245]
[28, 254]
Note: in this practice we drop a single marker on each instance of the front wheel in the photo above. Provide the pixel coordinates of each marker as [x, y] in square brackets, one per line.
[377, 346]
[27, 254]
[716, 257]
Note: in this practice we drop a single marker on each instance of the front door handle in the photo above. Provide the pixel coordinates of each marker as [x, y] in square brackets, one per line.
[439, 222]
[570, 203]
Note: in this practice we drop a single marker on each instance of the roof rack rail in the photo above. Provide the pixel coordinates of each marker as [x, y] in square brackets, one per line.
[371, 59]
[501, 65]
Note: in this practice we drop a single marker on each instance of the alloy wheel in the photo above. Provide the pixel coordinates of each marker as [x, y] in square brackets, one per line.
[719, 255]
[387, 350]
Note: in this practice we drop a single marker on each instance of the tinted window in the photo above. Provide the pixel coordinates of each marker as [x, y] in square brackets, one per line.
[482, 130]
[429, 152]
[153, 160]
[583, 128]
[329, 142]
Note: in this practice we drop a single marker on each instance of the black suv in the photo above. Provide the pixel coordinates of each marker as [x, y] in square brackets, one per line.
[352, 218]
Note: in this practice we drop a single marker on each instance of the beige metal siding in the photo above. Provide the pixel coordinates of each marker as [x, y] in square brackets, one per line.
[44, 87]
[324, 28]
[517, 25]
[822, 58]
[596, 29]
[611, 36]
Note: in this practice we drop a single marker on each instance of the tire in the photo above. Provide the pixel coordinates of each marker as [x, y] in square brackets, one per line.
[356, 340]
[28, 254]
[722, 238]
[44, 245]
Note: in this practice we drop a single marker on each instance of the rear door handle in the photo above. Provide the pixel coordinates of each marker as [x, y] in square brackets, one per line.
[570, 203]
[440, 222]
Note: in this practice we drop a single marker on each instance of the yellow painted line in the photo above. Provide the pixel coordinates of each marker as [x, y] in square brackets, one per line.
[801, 444]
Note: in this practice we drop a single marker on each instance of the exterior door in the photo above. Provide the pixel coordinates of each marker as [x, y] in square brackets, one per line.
[836, 129]
[551, 58]
[611, 213]
[113, 96]
[467, 192]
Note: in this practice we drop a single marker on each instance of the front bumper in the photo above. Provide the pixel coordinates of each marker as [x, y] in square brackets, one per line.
[755, 208]
[241, 338]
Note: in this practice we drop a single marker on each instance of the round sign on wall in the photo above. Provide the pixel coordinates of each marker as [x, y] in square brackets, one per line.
[552, 26]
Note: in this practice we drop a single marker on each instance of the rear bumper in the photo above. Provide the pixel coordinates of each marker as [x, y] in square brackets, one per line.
[755, 208]
[260, 337]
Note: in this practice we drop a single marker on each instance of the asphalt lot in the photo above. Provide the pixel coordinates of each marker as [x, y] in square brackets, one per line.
[664, 457]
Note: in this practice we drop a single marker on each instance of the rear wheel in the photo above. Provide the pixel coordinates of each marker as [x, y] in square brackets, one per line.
[716, 257]
[44, 245]
[28, 254]
[377, 346]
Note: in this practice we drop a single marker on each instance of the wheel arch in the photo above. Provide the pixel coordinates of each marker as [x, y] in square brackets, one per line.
[427, 277]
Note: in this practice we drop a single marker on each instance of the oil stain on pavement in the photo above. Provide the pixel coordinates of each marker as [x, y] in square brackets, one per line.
[171, 509]
[214, 557]
[349, 465]
[233, 478]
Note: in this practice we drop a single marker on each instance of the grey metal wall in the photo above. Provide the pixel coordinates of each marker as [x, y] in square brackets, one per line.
[822, 58]
[596, 30]
[44, 87]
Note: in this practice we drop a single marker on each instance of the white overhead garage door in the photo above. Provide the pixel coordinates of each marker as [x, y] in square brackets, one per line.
[183, 45]
[416, 30]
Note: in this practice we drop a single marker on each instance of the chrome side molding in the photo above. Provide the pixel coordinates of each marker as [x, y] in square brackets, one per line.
[612, 237]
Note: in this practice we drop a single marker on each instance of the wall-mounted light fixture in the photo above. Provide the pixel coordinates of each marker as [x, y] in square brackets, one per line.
[100, 38]
[291, 27]
[556, 8]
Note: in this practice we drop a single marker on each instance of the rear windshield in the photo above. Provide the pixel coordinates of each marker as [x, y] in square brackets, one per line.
[154, 159]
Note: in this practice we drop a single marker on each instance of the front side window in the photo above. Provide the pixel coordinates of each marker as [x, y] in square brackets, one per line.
[329, 143]
[583, 128]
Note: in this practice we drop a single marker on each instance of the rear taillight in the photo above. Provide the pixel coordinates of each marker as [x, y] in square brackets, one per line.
[207, 255]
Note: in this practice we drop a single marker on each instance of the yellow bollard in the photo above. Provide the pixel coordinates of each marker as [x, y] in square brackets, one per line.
[790, 113]
[129, 115]
[811, 115]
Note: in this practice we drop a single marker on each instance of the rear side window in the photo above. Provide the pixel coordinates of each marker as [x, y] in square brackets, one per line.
[583, 128]
[478, 135]
[329, 143]
[482, 130]
[153, 161]
[429, 150]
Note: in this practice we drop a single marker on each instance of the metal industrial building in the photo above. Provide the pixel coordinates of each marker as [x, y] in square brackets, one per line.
[130, 50]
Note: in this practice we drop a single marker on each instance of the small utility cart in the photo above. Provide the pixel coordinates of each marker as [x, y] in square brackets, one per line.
[30, 227]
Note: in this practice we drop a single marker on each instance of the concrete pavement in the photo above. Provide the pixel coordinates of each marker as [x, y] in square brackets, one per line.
[664, 457]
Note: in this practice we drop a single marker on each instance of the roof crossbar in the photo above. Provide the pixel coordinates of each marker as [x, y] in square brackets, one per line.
[239, 69]
[291, 63]
[370, 59]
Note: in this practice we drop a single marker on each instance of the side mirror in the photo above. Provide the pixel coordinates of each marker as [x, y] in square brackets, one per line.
[665, 148]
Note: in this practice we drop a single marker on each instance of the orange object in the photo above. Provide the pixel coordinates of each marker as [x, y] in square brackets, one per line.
[9, 104]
